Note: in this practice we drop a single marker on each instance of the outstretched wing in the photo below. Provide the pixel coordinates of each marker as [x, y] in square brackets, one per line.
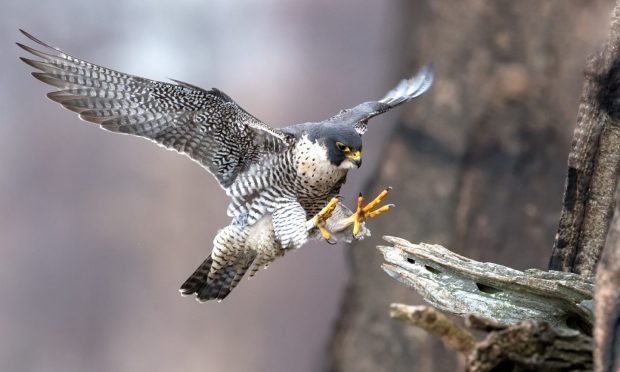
[405, 91]
[206, 125]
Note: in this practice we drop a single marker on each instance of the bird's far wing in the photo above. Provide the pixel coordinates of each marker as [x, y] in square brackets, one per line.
[409, 89]
[206, 125]
[405, 91]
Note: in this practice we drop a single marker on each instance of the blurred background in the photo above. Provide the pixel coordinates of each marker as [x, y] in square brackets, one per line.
[97, 231]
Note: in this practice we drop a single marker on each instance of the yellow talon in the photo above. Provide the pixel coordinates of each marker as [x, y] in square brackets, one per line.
[321, 217]
[377, 212]
[326, 212]
[377, 200]
[357, 221]
[364, 213]
[326, 234]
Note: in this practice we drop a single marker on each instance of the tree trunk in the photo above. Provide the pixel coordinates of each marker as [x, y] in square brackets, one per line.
[593, 163]
[607, 300]
[477, 164]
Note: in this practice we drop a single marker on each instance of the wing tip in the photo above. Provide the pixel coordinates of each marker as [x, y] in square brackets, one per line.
[24, 32]
[41, 66]
[408, 89]
[26, 48]
[427, 72]
[36, 40]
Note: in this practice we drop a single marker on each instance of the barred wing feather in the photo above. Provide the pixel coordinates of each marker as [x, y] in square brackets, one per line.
[206, 125]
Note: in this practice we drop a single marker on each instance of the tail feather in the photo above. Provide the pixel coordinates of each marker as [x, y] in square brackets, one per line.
[198, 279]
[233, 280]
[208, 285]
[261, 261]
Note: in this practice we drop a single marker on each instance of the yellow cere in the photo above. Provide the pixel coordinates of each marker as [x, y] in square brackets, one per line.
[354, 155]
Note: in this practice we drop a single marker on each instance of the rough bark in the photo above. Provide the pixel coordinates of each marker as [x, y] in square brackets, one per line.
[532, 346]
[593, 163]
[477, 163]
[526, 346]
[607, 300]
[586, 232]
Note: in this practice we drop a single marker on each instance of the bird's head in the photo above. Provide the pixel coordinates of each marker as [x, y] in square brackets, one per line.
[344, 146]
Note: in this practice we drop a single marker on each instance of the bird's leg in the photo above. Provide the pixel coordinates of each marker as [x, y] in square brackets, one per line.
[321, 218]
[364, 213]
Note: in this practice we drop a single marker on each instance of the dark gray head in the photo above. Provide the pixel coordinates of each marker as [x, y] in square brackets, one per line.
[342, 142]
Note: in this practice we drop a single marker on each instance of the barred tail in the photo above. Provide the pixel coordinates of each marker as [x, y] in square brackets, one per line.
[208, 285]
[223, 269]
[198, 280]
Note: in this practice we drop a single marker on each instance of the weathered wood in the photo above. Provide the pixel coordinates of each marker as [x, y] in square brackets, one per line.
[593, 163]
[537, 320]
[428, 318]
[462, 286]
[532, 346]
[586, 232]
[484, 324]
[607, 300]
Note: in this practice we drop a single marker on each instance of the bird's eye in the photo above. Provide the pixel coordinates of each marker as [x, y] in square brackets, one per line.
[342, 147]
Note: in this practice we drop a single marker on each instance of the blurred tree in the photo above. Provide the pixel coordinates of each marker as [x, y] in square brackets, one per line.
[478, 164]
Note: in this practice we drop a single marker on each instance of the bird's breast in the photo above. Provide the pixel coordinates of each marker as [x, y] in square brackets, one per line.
[315, 173]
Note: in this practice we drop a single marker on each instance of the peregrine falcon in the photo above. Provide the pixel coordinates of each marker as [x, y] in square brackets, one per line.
[283, 183]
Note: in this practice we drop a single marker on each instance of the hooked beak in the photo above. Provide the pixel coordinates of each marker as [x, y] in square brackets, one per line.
[355, 157]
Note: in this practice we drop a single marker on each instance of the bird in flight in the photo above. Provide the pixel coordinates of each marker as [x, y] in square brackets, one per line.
[283, 183]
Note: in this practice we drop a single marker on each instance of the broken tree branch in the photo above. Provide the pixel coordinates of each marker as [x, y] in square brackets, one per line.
[462, 286]
[532, 346]
[432, 321]
[537, 320]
